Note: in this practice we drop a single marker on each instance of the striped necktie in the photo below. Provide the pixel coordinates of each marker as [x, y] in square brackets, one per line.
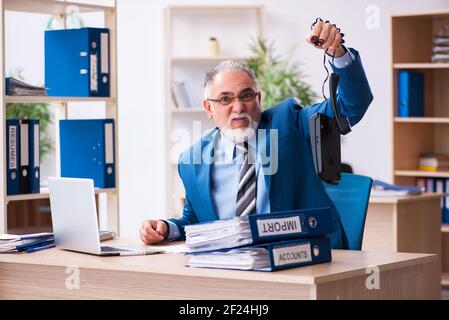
[246, 194]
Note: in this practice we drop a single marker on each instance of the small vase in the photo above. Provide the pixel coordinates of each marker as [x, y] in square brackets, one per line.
[212, 47]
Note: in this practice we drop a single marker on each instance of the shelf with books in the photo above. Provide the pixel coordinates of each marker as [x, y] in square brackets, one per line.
[413, 136]
[420, 173]
[188, 31]
[441, 120]
[62, 110]
[442, 65]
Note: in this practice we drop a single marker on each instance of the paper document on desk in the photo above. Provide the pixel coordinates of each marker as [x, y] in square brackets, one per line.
[180, 248]
[267, 257]
[241, 259]
[383, 189]
[17, 243]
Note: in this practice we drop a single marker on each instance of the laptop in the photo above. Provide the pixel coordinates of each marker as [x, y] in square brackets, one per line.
[74, 217]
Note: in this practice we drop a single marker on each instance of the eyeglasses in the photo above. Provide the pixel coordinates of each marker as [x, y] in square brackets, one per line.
[225, 100]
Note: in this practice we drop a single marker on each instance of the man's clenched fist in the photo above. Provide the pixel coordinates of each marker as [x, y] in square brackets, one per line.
[326, 36]
[153, 231]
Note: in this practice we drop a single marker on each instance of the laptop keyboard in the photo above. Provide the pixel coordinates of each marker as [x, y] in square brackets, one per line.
[113, 249]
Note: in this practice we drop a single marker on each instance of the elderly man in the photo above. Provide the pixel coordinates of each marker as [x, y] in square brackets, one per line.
[224, 183]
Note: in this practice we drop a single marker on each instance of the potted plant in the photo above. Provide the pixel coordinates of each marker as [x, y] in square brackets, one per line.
[278, 77]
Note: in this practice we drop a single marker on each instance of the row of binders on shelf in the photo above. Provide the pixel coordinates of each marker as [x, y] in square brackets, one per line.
[77, 64]
[439, 185]
[22, 156]
[265, 242]
[87, 150]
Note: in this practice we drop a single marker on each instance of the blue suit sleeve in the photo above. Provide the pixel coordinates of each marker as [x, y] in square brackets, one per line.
[353, 95]
[188, 215]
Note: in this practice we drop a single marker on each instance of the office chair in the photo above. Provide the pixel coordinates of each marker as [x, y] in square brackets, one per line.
[351, 198]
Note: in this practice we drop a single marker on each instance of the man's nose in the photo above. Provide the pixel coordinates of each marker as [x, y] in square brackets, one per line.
[238, 106]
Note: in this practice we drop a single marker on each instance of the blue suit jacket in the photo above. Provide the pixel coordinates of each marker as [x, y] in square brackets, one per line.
[295, 185]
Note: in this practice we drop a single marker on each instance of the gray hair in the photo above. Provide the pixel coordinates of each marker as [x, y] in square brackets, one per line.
[226, 65]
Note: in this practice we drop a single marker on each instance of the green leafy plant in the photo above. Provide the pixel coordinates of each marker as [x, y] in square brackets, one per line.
[34, 111]
[39, 111]
[278, 77]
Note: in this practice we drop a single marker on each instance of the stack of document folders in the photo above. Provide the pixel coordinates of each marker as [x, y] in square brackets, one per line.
[26, 243]
[263, 242]
[383, 189]
[15, 87]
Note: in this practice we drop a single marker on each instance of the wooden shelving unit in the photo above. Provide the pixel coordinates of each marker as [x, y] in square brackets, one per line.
[413, 136]
[60, 104]
[187, 29]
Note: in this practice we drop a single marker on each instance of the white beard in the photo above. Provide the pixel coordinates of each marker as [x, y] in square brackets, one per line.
[240, 135]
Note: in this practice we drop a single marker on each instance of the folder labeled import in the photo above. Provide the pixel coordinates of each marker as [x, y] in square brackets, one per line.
[87, 150]
[267, 257]
[259, 228]
[77, 62]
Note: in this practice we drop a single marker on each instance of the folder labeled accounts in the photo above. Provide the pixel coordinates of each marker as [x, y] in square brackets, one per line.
[267, 257]
[77, 62]
[87, 150]
[22, 149]
[258, 228]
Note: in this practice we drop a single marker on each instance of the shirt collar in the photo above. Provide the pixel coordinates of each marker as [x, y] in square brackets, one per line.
[227, 147]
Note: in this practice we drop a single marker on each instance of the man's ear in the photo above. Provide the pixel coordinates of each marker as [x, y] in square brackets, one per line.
[207, 106]
[259, 98]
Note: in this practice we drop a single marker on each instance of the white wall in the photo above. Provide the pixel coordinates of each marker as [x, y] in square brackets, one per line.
[141, 86]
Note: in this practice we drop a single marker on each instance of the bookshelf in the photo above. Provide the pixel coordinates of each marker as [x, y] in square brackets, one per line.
[187, 29]
[60, 105]
[411, 49]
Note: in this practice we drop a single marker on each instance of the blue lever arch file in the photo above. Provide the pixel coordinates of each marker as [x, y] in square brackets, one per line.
[24, 176]
[267, 257]
[259, 228]
[34, 135]
[12, 156]
[77, 62]
[87, 150]
[410, 94]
